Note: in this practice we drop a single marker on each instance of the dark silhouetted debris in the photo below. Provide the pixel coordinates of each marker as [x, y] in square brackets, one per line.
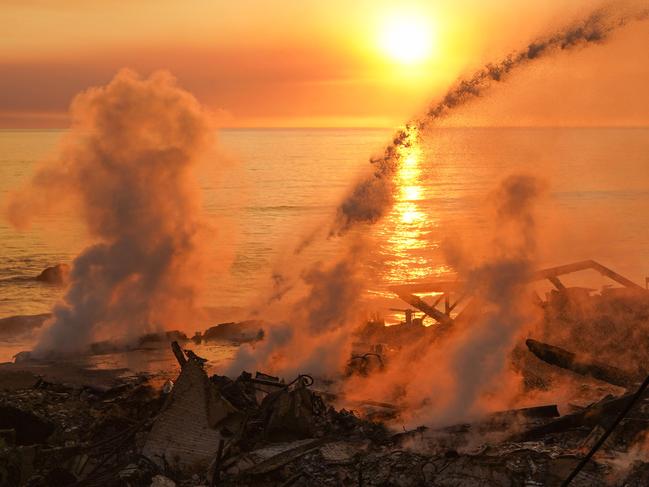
[290, 413]
[589, 417]
[568, 360]
[12, 380]
[28, 428]
[184, 435]
[366, 363]
[629, 404]
[257, 430]
[178, 353]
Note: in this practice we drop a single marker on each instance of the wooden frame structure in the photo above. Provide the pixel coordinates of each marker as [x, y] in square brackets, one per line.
[454, 292]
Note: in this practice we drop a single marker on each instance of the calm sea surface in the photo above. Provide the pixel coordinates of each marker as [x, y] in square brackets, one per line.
[268, 188]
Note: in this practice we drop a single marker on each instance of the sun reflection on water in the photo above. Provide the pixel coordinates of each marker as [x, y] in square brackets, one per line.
[406, 236]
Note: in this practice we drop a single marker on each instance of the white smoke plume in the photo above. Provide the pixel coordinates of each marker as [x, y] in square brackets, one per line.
[458, 375]
[479, 353]
[316, 336]
[127, 164]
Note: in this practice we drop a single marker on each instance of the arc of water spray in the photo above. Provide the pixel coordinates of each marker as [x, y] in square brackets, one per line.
[372, 197]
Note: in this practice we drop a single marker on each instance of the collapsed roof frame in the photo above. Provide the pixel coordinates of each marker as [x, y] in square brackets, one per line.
[408, 292]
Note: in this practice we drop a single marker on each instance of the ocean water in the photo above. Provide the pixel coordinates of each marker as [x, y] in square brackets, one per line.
[265, 189]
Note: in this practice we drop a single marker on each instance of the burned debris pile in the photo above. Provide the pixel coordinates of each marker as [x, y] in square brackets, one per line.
[57, 433]
[199, 431]
[261, 430]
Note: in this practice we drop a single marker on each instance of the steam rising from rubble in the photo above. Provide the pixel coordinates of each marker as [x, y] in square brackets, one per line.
[128, 163]
[316, 338]
[437, 382]
[372, 197]
[449, 379]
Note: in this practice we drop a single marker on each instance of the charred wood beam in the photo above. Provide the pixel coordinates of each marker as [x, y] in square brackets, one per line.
[503, 420]
[439, 298]
[590, 416]
[424, 307]
[178, 352]
[583, 265]
[454, 286]
[605, 271]
[547, 411]
[406, 292]
[569, 361]
[458, 301]
[557, 283]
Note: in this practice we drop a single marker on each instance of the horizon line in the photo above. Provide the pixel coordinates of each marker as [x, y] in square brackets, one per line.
[355, 127]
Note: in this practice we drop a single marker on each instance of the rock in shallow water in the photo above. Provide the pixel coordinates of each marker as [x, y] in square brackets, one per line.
[242, 332]
[57, 274]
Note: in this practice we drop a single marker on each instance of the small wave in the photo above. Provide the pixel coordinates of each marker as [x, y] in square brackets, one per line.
[286, 208]
[17, 279]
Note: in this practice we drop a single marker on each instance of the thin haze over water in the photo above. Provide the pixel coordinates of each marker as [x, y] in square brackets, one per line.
[280, 183]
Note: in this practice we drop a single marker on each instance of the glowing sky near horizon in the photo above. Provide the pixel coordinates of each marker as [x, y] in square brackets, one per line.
[285, 63]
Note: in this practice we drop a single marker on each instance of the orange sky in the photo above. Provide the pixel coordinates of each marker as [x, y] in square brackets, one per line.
[309, 63]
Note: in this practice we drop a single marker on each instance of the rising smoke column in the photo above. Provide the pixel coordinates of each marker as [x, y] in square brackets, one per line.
[372, 197]
[127, 163]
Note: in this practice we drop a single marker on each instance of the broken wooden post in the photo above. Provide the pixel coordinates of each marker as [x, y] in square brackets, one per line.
[178, 352]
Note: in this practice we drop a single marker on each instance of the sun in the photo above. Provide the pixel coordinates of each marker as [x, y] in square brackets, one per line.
[407, 39]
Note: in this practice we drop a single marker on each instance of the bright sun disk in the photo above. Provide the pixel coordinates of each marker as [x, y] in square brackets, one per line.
[408, 40]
